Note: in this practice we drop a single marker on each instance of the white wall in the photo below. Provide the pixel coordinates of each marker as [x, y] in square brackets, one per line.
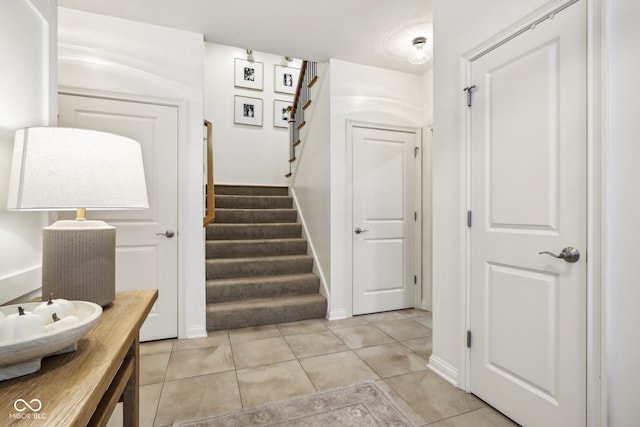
[244, 154]
[101, 53]
[373, 95]
[310, 181]
[622, 229]
[427, 191]
[28, 42]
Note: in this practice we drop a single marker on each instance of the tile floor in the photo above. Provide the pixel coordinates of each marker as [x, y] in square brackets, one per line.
[242, 368]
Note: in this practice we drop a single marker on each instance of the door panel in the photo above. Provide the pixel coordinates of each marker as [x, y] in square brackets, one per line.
[528, 194]
[383, 206]
[143, 258]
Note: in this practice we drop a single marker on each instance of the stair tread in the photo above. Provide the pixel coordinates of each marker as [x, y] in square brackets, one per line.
[263, 279]
[266, 196]
[253, 202]
[217, 249]
[253, 231]
[258, 241]
[221, 189]
[274, 258]
[253, 224]
[266, 302]
[251, 197]
[257, 209]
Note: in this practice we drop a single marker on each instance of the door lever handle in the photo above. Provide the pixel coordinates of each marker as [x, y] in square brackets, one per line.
[168, 234]
[358, 230]
[569, 254]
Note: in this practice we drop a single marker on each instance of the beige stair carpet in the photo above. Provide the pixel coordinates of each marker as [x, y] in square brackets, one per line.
[258, 270]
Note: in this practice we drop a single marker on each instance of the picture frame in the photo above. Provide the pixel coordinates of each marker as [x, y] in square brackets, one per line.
[248, 74]
[247, 111]
[281, 113]
[286, 79]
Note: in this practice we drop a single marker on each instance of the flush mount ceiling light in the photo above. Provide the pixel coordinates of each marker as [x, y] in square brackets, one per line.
[286, 61]
[418, 51]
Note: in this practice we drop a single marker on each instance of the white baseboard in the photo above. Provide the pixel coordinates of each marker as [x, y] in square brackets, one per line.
[444, 370]
[194, 332]
[317, 268]
[338, 314]
[20, 284]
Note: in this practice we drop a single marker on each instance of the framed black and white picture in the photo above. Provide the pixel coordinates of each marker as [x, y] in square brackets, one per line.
[248, 111]
[286, 79]
[281, 113]
[248, 74]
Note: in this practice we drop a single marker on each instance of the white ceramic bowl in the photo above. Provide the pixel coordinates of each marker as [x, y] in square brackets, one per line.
[24, 356]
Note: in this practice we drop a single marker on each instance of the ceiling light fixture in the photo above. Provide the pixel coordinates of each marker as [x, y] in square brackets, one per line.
[418, 51]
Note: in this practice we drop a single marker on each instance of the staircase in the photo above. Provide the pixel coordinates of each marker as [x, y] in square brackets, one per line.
[258, 270]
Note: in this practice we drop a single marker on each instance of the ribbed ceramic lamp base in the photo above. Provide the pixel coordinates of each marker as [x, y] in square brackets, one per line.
[78, 261]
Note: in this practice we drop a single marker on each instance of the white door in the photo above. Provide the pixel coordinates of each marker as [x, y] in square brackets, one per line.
[528, 161]
[144, 258]
[384, 219]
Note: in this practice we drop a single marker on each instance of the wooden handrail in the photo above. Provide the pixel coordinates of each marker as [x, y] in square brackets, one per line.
[301, 102]
[211, 204]
[296, 97]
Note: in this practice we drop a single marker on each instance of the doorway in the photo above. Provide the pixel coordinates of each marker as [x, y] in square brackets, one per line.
[147, 240]
[528, 222]
[386, 217]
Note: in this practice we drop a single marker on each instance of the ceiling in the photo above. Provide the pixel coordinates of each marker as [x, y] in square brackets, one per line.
[371, 32]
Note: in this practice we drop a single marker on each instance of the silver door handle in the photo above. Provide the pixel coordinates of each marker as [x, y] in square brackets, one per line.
[569, 254]
[169, 234]
[358, 230]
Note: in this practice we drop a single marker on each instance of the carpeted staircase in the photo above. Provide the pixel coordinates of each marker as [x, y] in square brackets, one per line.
[258, 270]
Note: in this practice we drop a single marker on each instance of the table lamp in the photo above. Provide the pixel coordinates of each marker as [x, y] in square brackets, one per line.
[60, 169]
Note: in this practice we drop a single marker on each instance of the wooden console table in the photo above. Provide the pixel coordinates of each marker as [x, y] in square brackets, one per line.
[83, 387]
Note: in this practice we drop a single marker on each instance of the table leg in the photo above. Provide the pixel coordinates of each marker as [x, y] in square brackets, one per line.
[131, 395]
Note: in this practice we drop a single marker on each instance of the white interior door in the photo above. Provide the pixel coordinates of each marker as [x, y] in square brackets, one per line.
[384, 219]
[528, 161]
[144, 259]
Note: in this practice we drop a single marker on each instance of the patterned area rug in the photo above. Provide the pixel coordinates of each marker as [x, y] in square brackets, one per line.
[359, 405]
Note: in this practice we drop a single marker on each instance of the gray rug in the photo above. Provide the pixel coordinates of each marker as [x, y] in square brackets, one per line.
[359, 405]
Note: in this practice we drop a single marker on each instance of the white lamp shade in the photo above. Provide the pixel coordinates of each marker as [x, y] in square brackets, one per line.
[65, 169]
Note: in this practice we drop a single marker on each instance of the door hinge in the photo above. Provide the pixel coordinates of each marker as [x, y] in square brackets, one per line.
[415, 216]
[468, 218]
[468, 339]
[469, 89]
[415, 280]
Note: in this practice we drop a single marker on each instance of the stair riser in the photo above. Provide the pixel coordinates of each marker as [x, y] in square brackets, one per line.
[251, 191]
[247, 232]
[248, 216]
[254, 202]
[221, 269]
[236, 292]
[264, 316]
[252, 248]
